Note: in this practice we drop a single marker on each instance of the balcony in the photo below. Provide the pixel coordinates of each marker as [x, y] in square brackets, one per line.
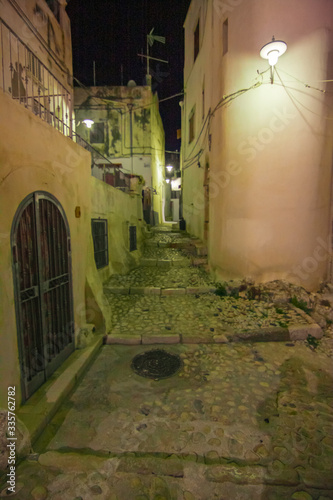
[28, 81]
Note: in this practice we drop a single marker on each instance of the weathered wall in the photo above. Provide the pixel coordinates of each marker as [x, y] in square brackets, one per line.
[271, 148]
[35, 157]
[49, 38]
[111, 105]
[157, 159]
[121, 210]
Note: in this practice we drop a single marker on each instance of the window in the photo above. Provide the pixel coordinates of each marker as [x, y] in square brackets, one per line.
[97, 133]
[99, 228]
[197, 40]
[34, 67]
[132, 238]
[225, 36]
[191, 126]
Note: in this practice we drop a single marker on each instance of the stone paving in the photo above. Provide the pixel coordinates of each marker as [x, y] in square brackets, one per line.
[155, 252]
[205, 315]
[238, 421]
[167, 277]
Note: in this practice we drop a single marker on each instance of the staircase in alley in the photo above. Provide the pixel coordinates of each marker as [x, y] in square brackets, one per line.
[158, 301]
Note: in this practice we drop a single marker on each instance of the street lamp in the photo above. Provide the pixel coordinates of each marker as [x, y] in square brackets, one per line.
[169, 168]
[272, 51]
[88, 122]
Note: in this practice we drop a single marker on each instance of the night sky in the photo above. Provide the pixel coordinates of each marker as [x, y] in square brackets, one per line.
[113, 32]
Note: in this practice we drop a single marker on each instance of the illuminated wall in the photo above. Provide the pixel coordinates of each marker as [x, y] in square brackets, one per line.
[131, 132]
[269, 148]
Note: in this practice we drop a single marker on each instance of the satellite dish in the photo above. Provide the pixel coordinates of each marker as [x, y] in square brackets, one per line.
[131, 83]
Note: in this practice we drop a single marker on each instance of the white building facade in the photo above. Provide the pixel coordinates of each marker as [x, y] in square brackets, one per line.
[257, 155]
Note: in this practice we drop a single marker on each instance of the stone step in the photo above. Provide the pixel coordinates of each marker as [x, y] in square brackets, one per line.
[222, 336]
[201, 249]
[182, 262]
[180, 475]
[149, 290]
[169, 244]
[199, 261]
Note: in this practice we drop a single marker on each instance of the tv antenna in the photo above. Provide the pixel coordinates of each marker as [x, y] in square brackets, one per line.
[151, 38]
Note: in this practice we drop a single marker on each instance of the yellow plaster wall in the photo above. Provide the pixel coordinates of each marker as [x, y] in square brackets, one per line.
[121, 210]
[157, 158]
[149, 141]
[35, 157]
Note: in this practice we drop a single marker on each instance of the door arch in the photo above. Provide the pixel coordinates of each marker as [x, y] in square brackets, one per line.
[41, 259]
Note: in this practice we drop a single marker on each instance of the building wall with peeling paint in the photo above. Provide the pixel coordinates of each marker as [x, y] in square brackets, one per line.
[127, 128]
[259, 168]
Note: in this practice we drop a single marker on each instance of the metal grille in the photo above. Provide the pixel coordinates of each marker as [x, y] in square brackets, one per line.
[29, 82]
[132, 238]
[42, 276]
[99, 229]
[156, 364]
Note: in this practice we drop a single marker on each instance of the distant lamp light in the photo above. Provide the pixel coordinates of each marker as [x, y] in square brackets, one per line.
[273, 50]
[169, 168]
[88, 123]
[167, 181]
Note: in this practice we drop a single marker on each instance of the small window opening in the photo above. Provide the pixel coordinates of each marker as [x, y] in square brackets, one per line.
[132, 238]
[99, 228]
[97, 133]
[191, 126]
[197, 40]
[225, 36]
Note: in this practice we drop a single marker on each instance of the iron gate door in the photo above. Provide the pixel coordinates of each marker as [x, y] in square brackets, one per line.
[43, 288]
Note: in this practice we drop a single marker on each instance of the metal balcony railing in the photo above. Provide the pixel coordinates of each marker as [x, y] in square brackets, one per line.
[27, 80]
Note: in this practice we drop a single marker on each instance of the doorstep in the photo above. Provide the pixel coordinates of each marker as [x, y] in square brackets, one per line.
[41, 407]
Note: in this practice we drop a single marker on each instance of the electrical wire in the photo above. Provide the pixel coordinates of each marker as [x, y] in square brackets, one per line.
[304, 83]
[294, 99]
[226, 99]
[200, 133]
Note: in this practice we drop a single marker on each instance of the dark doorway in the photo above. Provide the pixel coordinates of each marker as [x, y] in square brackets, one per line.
[41, 252]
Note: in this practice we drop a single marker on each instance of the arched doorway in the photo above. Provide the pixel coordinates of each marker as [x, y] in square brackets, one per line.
[41, 256]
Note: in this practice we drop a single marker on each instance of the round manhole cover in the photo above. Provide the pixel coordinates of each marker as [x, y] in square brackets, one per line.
[156, 364]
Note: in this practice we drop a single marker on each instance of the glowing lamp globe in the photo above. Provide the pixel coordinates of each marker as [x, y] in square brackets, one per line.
[273, 50]
[89, 123]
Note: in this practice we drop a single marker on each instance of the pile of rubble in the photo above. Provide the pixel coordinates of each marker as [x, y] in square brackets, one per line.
[318, 305]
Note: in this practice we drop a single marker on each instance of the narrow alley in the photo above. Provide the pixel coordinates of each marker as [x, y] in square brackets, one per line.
[246, 415]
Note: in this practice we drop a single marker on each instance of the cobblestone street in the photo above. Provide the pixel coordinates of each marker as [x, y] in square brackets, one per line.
[240, 419]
